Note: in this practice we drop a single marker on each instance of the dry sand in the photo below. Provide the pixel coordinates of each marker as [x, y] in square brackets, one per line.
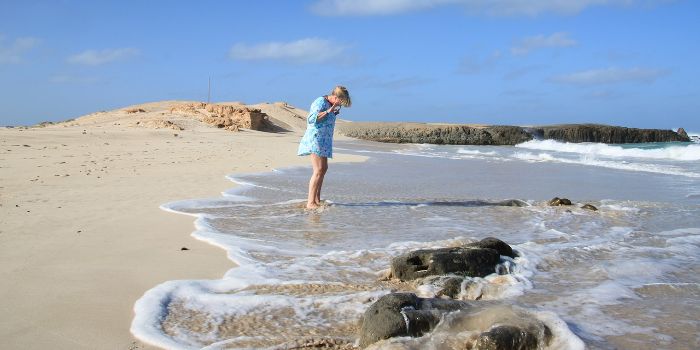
[81, 234]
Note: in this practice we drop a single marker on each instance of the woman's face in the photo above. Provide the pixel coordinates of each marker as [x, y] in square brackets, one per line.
[334, 99]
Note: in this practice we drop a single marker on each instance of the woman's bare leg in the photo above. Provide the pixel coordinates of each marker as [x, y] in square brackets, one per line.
[324, 169]
[315, 181]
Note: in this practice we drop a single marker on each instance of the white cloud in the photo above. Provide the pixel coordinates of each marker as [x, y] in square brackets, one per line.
[490, 7]
[12, 51]
[98, 57]
[610, 76]
[526, 45]
[373, 7]
[310, 50]
[536, 7]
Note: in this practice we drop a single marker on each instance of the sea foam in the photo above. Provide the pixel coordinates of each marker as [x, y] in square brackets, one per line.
[302, 274]
[592, 160]
[688, 152]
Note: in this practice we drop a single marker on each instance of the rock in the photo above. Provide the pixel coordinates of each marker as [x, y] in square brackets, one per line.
[228, 116]
[682, 133]
[453, 134]
[606, 134]
[506, 337]
[589, 207]
[403, 314]
[466, 261]
[452, 287]
[456, 134]
[135, 110]
[188, 108]
[556, 201]
[496, 244]
[512, 203]
[243, 117]
[500, 327]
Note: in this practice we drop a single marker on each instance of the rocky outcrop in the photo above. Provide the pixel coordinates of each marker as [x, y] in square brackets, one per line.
[474, 260]
[682, 133]
[605, 134]
[435, 134]
[226, 116]
[242, 117]
[453, 134]
[405, 314]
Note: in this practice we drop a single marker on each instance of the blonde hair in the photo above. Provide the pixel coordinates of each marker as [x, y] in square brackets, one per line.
[342, 93]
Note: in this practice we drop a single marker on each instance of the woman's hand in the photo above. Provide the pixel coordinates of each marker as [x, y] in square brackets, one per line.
[335, 108]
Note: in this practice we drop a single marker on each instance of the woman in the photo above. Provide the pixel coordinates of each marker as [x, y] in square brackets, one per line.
[318, 139]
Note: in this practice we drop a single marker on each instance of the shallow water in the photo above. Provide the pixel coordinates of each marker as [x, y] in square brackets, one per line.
[625, 276]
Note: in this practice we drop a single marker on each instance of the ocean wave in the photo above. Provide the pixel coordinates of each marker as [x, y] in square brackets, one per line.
[476, 152]
[592, 161]
[694, 136]
[690, 152]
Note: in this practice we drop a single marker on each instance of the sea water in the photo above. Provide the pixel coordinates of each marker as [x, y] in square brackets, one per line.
[624, 277]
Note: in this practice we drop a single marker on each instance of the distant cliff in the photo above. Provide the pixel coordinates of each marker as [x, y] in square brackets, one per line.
[605, 134]
[448, 134]
[454, 134]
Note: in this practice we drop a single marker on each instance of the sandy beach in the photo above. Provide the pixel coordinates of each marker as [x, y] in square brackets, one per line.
[82, 235]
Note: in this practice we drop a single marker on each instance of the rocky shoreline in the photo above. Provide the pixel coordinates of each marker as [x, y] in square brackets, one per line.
[456, 316]
[454, 134]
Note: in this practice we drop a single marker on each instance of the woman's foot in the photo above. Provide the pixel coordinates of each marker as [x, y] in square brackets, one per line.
[313, 205]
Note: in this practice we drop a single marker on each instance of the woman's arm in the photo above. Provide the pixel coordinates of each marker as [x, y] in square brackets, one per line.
[316, 111]
[322, 114]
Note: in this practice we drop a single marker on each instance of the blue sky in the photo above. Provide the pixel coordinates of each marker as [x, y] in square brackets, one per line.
[622, 62]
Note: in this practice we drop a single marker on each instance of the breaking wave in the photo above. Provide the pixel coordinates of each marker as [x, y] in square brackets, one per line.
[679, 151]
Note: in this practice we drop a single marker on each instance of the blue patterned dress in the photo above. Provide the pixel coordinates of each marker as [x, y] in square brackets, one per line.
[318, 138]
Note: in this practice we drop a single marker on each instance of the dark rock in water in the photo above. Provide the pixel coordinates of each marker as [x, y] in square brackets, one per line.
[512, 203]
[496, 244]
[556, 201]
[452, 287]
[682, 132]
[509, 338]
[467, 261]
[403, 314]
[589, 207]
